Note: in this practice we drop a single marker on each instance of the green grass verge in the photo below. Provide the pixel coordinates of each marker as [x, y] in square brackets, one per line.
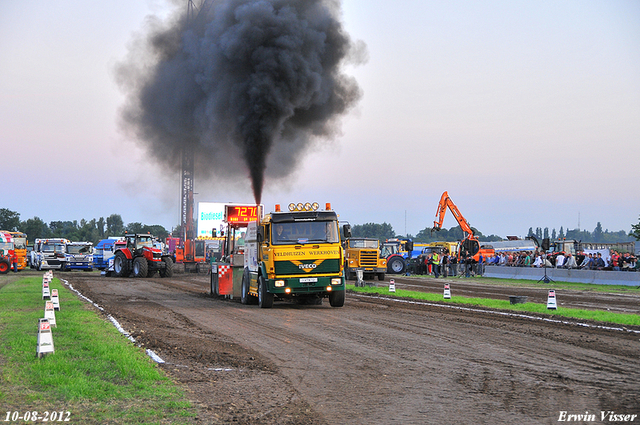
[597, 315]
[95, 373]
[525, 283]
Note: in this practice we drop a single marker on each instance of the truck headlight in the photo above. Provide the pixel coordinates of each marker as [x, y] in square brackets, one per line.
[336, 281]
[279, 283]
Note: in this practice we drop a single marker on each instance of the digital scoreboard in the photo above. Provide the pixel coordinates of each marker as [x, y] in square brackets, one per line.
[241, 214]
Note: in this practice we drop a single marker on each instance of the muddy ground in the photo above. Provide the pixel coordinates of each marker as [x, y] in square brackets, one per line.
[377, 361]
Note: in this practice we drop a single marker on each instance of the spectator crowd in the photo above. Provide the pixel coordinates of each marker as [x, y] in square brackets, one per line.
[442, 263]
[561, 260]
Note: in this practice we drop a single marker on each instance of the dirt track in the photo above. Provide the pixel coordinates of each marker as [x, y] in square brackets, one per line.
[374, 361]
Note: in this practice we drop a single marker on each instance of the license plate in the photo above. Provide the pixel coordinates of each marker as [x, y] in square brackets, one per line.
[308, 279]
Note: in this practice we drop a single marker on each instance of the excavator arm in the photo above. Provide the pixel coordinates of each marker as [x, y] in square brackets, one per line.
[446, 202]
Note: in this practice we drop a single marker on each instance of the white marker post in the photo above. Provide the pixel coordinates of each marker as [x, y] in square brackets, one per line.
[551, 300]
[55, 300]
[392, 285]
[447, 292]
[45, 338]
[49, 313]
[46, 294]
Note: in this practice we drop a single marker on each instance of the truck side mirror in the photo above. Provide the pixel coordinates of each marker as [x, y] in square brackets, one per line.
[260, 234]
[346, 229]
[545, 244]
[409, 246]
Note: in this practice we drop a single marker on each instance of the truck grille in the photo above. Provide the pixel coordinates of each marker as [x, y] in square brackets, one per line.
[307, 267]
[368, 258]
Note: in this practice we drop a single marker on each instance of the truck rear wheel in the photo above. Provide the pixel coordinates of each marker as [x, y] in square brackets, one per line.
[140, 267]
[120, 266]
[336, 299]
[265, 299]
[245, 297]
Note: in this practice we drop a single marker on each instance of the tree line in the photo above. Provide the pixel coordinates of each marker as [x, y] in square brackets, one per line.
[385, 231]
[85, 230]
[93, 230]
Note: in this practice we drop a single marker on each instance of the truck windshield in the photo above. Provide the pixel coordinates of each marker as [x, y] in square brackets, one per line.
[305, 232]
[20, 243]
[78, 249]
[363, 243]
[51, 247]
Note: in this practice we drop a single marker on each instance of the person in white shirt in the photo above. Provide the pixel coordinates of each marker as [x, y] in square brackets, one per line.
[538, 261]
[570, 262]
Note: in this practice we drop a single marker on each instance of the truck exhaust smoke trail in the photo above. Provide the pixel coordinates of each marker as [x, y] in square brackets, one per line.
[248, 85]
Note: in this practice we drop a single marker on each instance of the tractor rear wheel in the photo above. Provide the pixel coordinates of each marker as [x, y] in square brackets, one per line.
[396, 265]
[4, 266]
[120, 266]
[140, 267]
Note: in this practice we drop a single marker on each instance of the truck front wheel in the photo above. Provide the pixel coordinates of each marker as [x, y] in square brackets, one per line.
[265, 299]
[336, 299]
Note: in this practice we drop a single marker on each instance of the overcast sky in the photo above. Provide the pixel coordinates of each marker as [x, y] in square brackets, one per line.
[526, 112]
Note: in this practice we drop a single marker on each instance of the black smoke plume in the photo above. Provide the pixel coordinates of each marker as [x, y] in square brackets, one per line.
[247, 85]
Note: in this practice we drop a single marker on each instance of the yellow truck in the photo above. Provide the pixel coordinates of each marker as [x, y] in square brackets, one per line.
[364, 254]
[295, 255]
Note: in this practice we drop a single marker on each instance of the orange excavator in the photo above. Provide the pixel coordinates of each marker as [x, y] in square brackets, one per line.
[470, 243]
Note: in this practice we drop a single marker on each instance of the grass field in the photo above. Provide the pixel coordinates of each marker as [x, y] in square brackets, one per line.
[95, 373]
[600, 316]
[524, 283]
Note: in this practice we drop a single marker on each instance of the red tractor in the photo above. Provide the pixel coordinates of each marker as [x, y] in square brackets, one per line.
[141, 259]
[5, 263]
[7, 253]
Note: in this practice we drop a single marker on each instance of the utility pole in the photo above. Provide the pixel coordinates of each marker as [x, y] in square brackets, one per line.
[186, 188]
